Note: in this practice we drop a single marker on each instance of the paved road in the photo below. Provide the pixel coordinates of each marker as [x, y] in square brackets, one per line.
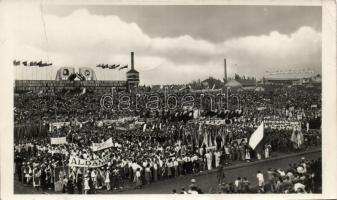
[207, 182]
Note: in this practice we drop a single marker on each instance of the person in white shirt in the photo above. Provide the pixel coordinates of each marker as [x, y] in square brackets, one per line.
[107, 179]
[299, 188]
[209, 160]
[217, 158]
[138, 179]
[176, 165]
[260, 180]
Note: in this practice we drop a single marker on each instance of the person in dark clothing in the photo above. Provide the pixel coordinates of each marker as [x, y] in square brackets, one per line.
[70, 187]
[220, 174]
[79, 183]
[43, 179]
[18, 164]
[92, 187]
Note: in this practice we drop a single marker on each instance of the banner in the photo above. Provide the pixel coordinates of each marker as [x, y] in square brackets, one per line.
[64, 73]
[78, 162]
[211, 148]
[88, 73]
[121, 128]
[99, 146]
[256, 137]
[297, 137]
[57, 125]
[59, 140]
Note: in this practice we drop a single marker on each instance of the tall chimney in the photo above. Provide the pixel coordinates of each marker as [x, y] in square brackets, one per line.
[132, 66]
[225, 68]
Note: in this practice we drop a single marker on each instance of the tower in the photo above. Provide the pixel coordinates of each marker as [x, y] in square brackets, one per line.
[225, 71]
[132, 75]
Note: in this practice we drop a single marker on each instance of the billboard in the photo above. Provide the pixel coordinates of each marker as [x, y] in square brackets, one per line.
[64, 73]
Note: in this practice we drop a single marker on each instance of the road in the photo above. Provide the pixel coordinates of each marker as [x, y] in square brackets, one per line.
[208, 182]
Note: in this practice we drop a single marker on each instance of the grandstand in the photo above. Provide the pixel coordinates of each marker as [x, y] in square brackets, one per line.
[67, 79]
[289, 77]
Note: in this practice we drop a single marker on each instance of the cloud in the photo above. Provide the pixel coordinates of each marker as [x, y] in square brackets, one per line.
[83, 39]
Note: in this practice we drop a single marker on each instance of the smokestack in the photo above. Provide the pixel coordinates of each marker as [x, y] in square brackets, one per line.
[132, 66]
[225, 68]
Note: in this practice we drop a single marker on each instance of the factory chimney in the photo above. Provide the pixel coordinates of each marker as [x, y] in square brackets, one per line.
[132, 66]
[225, 71]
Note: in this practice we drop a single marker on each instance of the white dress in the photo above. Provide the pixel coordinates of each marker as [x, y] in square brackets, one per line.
[266, 152]
[86, 183]
[217, 159]
[107, 177]
[209, 161]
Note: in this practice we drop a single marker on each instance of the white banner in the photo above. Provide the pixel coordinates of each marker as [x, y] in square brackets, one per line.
[257, 136]
[59, 140]
[103, 145]
[78, 162]
[59, 124]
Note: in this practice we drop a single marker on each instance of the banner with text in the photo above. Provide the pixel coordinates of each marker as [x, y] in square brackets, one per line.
[99, 146]
[78, 162]
[58, 140]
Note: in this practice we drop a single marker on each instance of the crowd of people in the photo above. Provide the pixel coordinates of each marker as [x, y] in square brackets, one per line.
[159, 144]
[302, 177]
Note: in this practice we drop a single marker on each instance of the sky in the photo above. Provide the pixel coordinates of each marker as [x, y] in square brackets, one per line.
[172, 44]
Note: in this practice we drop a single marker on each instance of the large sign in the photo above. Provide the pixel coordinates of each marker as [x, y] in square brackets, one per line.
[88, 73]
[78, 162]
[58, 140]
[100, 146]
[64, 72]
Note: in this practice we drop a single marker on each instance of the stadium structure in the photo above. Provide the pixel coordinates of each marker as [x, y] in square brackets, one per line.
[291, 77]
[67, 79]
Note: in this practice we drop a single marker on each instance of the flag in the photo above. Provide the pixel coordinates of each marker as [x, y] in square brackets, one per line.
[24, 63]
[144, 127]
[99, 65]
[45, 64]
[84, 90]
[257, 136]
[16, 63]
[293, 136]
[39, 63]
[124, 67]
[297, 137]
[112, 66]
[182, 88]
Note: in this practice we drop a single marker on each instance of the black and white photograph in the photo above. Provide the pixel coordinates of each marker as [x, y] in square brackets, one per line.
[166, 99]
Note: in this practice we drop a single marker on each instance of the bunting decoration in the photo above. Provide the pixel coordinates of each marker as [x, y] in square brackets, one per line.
[114, 66]
[31, 63]
[124, 67]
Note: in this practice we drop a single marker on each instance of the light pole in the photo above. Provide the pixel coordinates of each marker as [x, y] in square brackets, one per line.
[228, 88]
